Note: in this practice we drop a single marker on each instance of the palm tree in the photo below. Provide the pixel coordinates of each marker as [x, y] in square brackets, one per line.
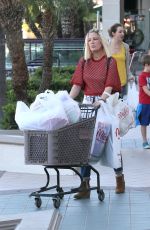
[48, 32]
[71, 16]
[11, 15]
[2, 72]
[43, 13]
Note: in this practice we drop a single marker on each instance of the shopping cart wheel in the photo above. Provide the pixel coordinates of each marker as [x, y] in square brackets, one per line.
[38, 202]
[101, 195]
[60, 190]
[56, 202]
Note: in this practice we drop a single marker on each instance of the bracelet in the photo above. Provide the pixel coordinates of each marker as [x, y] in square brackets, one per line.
[102, 100]
[106, 93]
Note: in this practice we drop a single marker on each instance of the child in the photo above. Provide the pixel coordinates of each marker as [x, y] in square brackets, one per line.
[143, 110]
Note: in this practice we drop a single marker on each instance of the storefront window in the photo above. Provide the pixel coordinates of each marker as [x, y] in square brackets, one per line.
[134, 26]
[66, 52]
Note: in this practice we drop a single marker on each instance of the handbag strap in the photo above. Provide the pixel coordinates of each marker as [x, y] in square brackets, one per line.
[108, 64]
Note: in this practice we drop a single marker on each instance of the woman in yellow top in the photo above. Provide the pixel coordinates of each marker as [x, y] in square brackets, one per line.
[120, 51]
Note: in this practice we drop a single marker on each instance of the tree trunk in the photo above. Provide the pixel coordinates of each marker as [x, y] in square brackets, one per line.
[33, 28]
[47, 65]
[67, 23]
[48, 25]
[19, 67]
[11, 14]
[2, 72]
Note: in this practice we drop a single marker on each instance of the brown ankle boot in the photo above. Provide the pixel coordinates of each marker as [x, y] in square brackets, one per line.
[83, 191]
[120, 184]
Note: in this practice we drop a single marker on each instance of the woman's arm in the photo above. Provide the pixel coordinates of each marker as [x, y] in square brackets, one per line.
[130, 77]
[104, 96]
[127, 61]
[75, 90]
[106, 93]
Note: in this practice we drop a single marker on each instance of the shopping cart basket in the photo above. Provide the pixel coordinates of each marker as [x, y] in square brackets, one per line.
[136, 65]
[65, 148]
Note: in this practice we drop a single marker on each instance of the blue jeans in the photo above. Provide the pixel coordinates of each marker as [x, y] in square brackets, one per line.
[123, 91]
[86, 171]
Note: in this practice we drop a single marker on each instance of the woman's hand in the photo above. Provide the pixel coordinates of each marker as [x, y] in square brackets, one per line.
[131, 78]
[97, 103]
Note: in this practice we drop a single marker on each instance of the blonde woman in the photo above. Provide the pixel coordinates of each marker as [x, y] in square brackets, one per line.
[97, 75]
[120, 51]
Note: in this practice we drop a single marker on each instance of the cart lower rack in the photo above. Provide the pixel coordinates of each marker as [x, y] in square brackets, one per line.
[65, 148]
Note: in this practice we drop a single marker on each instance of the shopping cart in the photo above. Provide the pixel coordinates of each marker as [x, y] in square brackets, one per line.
[65, 148]
[135, 65]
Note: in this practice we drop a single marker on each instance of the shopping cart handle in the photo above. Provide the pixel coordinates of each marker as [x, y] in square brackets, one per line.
[97, 107]
[88, 110]
[87, 106]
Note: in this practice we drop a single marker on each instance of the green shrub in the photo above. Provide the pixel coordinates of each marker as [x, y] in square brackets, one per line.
[8, 121]
[61, 81]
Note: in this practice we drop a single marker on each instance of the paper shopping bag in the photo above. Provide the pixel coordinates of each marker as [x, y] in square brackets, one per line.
[111, 155]
[101, 132]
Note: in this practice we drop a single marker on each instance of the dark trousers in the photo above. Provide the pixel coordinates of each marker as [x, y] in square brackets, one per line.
[86, 171]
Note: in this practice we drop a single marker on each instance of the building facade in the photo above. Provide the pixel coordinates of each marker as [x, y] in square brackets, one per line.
[135, 15]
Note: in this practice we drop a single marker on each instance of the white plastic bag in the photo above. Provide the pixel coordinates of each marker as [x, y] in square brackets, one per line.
[111, 156]
[44, 100]
[71, 107]
[101, 132]
[46, 113]
[123, 112]
[108, 150]
[132, 96]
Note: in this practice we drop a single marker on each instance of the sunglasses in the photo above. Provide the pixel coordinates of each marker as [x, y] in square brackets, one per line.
[94, 30]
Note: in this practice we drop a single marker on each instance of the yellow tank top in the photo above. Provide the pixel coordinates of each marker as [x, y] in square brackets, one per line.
[121, 65]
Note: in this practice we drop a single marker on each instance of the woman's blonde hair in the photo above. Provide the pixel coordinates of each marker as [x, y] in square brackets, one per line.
[87, 52]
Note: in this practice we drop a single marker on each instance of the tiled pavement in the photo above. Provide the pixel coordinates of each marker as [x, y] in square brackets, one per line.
[128, 211]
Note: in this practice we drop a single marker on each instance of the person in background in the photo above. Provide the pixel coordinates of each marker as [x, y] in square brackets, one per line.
[143, 109]
[120, 51]
[97, 75]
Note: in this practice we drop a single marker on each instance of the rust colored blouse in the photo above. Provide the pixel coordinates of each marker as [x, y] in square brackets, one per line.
[94, 75]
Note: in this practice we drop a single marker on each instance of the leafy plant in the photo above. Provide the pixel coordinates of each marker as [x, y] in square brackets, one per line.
[61, 81]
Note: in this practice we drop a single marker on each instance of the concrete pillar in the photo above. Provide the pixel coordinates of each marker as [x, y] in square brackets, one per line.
[112, 12]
